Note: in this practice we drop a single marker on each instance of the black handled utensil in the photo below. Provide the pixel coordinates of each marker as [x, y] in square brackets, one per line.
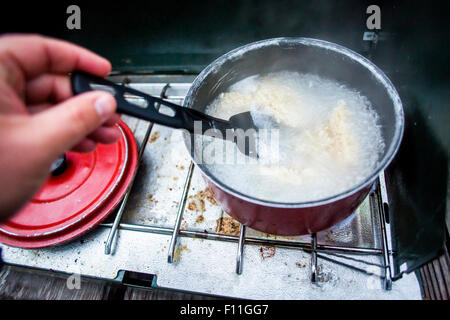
[180, 117]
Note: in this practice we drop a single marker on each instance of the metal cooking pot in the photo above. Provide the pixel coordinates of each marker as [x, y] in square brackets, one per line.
[302, 55]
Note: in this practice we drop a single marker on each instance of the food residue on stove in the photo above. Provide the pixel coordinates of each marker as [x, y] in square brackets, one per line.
[177, 253]
[205, 194]
[150, 198]
[228, 226]
[192, 206]
[267, 252]
[154, 136]
[298, 264]
[208, 194]
[200, 218]
[197, 201]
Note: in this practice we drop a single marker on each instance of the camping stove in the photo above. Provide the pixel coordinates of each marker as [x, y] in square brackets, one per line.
[169, 231]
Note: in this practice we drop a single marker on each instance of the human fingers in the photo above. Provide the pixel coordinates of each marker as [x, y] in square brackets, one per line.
[105, 135]
[65, 125]
[36, 54]
[48, 88]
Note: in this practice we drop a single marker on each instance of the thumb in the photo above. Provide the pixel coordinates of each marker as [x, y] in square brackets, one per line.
[66, 124]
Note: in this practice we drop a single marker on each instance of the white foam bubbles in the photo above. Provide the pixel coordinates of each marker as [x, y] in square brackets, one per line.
[330, 139]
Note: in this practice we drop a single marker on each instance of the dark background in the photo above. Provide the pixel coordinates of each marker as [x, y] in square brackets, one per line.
[183, 37]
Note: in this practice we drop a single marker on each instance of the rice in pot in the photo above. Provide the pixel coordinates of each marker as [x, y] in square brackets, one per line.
[329, 138]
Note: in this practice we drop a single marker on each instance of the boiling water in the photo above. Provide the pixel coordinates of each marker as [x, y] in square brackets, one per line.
[326, 138]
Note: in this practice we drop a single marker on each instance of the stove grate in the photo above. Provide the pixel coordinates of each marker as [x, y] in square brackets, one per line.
[378, 203]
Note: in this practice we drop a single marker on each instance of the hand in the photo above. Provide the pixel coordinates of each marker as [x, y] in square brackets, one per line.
[39, 118]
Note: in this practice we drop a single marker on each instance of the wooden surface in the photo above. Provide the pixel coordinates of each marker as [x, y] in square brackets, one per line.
[23, 283]
[435, 278]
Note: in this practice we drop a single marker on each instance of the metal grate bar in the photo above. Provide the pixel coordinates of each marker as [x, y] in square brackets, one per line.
[353, 259]
[347, 265]
[249, 240]
[385, 245]
[240, 251]
[313, 266]
[181, 206]
[114, 228]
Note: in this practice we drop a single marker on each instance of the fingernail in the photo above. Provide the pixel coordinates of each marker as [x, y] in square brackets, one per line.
[105, 106]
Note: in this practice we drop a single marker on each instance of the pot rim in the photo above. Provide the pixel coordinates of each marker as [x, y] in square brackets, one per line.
[376, 72]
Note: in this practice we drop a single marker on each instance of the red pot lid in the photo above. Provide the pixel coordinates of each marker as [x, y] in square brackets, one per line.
[78, 199]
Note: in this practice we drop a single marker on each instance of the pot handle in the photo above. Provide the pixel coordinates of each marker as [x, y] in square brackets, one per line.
[179, 117]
